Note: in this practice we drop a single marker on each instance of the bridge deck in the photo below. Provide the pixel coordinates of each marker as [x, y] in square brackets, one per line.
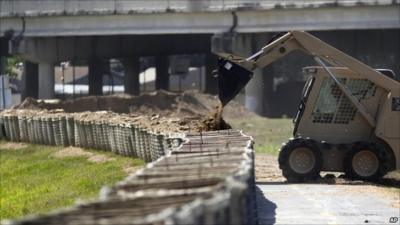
[49, 22]
[12, 8]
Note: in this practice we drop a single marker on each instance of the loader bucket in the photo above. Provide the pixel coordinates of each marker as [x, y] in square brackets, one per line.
[231, 79]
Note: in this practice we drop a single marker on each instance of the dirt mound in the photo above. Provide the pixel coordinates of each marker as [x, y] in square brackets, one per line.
[30, 103]
[187, 111]
[171, 104]
[164, 103]
[158, 102]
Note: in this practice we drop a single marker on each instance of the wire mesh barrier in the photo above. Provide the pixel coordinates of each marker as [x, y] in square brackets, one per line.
[193, 178]
[1, 128]
[126, 138]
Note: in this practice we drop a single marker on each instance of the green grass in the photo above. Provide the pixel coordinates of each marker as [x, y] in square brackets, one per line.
[268, 134]
[33, 181]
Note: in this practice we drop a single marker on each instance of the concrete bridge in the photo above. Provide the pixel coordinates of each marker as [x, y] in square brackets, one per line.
[46, 32]
[48, 18]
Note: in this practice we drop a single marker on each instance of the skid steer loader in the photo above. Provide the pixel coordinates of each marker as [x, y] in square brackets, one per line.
[348, 119]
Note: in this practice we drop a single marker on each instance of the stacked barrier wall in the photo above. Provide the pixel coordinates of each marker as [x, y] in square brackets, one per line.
[203, 178]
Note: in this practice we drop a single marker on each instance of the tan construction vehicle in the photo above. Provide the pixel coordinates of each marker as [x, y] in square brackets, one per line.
[348, 119]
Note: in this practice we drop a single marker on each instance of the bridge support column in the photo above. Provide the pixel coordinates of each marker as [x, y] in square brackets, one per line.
[268, 92]
[162, 73]
[264, 90]
[245, 45]
[211, 82]
[260, 87]
[254, 93]
[46, 81]
[30, 80]
[2, 65]
[131, 77]
[95, 77]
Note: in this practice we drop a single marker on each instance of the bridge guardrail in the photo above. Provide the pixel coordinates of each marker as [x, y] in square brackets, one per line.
[13, 8]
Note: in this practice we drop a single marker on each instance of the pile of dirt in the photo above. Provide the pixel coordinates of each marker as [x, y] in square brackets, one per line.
[31, 103]
[163, 103]
[187, 111]
[170, 104]
[167, 111]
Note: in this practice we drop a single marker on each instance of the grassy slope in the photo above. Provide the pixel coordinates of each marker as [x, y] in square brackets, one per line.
[268, 134]
[33, 181]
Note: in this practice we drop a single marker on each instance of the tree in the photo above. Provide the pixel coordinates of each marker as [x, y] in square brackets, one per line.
[13, 64]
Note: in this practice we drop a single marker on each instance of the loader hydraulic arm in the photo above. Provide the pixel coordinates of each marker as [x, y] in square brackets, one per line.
[307, 43]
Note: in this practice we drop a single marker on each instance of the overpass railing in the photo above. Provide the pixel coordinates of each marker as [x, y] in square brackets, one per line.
[12, 8]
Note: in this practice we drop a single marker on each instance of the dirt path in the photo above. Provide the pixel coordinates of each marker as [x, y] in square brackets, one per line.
[12, 146]
[267, 169]
[76, 152]
[327, 201]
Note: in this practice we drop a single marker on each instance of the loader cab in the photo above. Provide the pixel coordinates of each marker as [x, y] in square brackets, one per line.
[326, 114]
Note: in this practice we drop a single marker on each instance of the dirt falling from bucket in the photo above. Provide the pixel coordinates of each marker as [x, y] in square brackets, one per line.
[214, 121]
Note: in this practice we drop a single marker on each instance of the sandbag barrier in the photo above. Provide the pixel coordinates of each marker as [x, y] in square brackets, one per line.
[209, 179]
